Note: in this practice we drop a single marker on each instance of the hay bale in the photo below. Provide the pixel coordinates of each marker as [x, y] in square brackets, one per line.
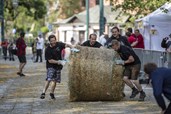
[93, 75]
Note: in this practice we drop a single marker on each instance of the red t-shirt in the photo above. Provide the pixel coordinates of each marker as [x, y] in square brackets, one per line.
[5, 44]
[140, 41]
[131, 39]
[21, 47]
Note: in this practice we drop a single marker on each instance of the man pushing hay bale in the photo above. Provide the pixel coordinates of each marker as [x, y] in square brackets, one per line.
[94, 76]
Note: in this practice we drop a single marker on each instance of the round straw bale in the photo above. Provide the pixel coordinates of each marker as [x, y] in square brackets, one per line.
[94, 76]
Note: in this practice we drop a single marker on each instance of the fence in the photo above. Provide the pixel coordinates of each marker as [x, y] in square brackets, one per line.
[158, 57]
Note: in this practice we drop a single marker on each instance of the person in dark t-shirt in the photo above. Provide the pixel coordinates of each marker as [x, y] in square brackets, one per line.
[53, 64]
[92, 42]
[116, 36]
[132, 65]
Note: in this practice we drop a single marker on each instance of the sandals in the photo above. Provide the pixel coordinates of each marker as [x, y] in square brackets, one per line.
[42, 96]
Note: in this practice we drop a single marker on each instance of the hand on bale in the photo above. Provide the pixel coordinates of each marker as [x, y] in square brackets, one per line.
[61, 62]
[120, 62]
[75, 50]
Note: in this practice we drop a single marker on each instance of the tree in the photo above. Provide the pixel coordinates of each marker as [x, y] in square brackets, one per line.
[26, 14]
[69, 7]
[140, 7]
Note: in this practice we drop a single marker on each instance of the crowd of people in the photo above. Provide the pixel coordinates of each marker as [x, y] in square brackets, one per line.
[55, 50]
[7, 49]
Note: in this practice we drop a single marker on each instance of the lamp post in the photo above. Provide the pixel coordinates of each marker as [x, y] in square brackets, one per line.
[87, 17]
[2, 19]
[102, 19]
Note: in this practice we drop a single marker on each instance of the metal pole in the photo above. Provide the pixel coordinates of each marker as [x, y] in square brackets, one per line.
[87, 18]
[101, 17]
[2, 20]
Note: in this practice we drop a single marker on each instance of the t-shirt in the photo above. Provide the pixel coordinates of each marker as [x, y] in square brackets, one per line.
[96, 44]
[40, 43]
[140, 43]
[125, 52]
[122, 39]
[21, 47]
[55, 54]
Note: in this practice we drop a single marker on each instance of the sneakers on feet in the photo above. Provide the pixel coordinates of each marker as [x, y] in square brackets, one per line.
[134, 93]
[18, 73]
[142, 96]
[52, 96]
[42, 96]
[22, 74]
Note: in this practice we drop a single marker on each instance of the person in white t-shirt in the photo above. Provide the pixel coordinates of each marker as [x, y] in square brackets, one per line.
[103, 38]
[39, 48]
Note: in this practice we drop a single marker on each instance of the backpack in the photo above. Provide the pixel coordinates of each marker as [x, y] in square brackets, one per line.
[163, 43]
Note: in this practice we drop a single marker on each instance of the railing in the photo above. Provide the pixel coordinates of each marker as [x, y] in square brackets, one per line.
[158, 57]
[161, 58]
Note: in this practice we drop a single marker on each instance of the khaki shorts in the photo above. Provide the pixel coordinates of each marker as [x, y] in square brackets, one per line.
[132, 72]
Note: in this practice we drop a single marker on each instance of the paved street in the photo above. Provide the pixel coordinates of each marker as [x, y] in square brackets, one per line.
[20, 95]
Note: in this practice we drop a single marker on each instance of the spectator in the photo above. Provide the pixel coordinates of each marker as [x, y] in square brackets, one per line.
[21, 53]
[10, 49]
[39, 48]
[139, 43]
[131, 39]
[5, 48]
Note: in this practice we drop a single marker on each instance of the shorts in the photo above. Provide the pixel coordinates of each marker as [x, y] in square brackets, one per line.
[53, 75]
[132, 71]
[22, 59]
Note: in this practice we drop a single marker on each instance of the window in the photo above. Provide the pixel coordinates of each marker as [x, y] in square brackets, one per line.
[83, 3]
[97, 2]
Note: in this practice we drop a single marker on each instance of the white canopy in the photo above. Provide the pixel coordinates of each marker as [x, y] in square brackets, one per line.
[155, 26]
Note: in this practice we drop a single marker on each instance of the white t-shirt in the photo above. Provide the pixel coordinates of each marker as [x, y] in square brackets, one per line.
[102, 40]
[40, 43]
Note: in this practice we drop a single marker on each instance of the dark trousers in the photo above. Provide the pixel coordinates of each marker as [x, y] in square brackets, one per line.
[11, 55]
[168, 110]
[39, 54]
[4, 49]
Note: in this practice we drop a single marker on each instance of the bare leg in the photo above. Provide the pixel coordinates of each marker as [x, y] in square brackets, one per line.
[128, 82]
[46, 86]
[137, 84]
[53, 86]
[21, 66]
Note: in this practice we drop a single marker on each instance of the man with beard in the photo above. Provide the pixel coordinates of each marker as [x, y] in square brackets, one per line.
[132, 66]
[54, 64]
[92, 42]
[116, 36]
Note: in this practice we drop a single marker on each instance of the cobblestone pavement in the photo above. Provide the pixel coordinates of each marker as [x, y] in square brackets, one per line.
[20, 95]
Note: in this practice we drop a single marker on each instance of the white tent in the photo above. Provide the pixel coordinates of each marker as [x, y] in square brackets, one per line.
[155, 26]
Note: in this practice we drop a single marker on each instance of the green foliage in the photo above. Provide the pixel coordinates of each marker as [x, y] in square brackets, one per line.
[44, 30]
[141, 7]
[27, 13]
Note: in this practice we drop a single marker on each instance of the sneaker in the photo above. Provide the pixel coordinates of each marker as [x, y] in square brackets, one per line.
[142, 96]
[22, 74]
[134, 93]
[52, 96]
[42, 96]
[18, 73]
